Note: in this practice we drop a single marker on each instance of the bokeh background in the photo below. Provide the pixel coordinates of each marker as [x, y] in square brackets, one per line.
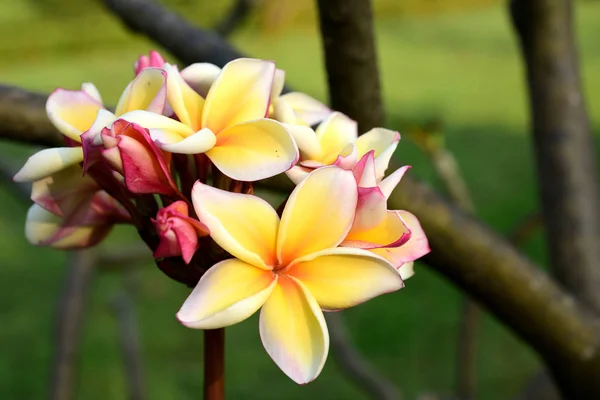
[455, 63]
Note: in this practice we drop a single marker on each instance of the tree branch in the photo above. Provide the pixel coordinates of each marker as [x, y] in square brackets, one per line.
[69, 323]
[353, 364]
[470, 254]
[188, 43]
[564, 147]
[351, 61]
[235, 16]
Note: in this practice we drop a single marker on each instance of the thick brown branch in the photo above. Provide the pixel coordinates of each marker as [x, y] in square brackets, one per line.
[564, 147]
[24, 119]
[351, 60]
[188, 43]
[464, 250]
[69, 323]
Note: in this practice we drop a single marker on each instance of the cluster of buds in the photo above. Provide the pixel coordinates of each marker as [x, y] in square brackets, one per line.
[178, 159]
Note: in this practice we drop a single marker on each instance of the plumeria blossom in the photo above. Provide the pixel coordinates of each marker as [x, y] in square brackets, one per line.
[80, 114]
[395, 235]
[71, 211]
[336, 141]
[229, 125]
[153, 59]
[178, 232]
[291, 267]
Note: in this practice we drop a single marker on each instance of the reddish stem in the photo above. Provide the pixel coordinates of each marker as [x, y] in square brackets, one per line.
[214, 364]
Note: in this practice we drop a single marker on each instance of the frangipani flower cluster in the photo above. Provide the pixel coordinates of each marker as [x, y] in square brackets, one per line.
[179, 158]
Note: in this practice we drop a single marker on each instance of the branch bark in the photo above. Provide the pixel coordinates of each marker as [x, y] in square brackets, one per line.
[351, 60]
[476, 259]
[69, 323]
[188, 43]
[564, 147]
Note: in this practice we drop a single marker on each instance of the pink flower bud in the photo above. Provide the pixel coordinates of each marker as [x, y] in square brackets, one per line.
[178, 232]
[154, 60]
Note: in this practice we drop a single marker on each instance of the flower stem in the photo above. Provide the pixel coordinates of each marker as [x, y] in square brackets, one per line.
[214, 364]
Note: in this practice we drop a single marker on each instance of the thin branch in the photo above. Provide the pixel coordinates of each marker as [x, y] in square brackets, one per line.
[125, 258]
[69, 323]
[129, 339]
[563, 144]
[235, 16]
[352, 363]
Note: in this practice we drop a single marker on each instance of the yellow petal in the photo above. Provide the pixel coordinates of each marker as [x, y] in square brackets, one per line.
[391, 232]
[146, 92]
[241, 93]
[344, 277]
[297, 173]
[186, 103]
[318, 214]
[199, 142]
[254, 150]
[161, 128]
[335, 134]
[228, 293]
[407, 270]
[200, 76]
[307, 109]
[47, 162]
[306, 140]
[384, 142]
[242, 224]
[293, 331]
[278, 82]
[72, 112]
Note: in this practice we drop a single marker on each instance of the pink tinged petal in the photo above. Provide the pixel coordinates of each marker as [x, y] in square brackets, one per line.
[200, 77]
[144, 166]
[318, 214]
[92, 91]
[392, 231]
[241, 93]
[243, 225]
[416, 247]
[344, 277]
[298, 173]
[306, 140]
[43, 228]
[383, 142]
[388, 184]
[178, 232]
[228, 293]
[348, 157]
[162, 128]
[254, 150]
[72, 112]
[370, 210]
[185, 102]
[148, 91]
[407, 270]
[154, 60]
[92, 140]
[47, 162]
[307, 109]
[368, 175]
[199, 142]
[293, 331]
[335, 134]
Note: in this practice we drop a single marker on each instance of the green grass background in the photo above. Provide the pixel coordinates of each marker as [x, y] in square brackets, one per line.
[461, 66]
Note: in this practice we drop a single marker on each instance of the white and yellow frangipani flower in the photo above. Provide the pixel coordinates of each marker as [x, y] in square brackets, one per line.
[291, 267]
[229, 126]
[290, 108]
[78, 112]
[336, 141]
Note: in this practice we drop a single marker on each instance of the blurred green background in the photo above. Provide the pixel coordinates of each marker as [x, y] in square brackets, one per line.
[453, 61]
